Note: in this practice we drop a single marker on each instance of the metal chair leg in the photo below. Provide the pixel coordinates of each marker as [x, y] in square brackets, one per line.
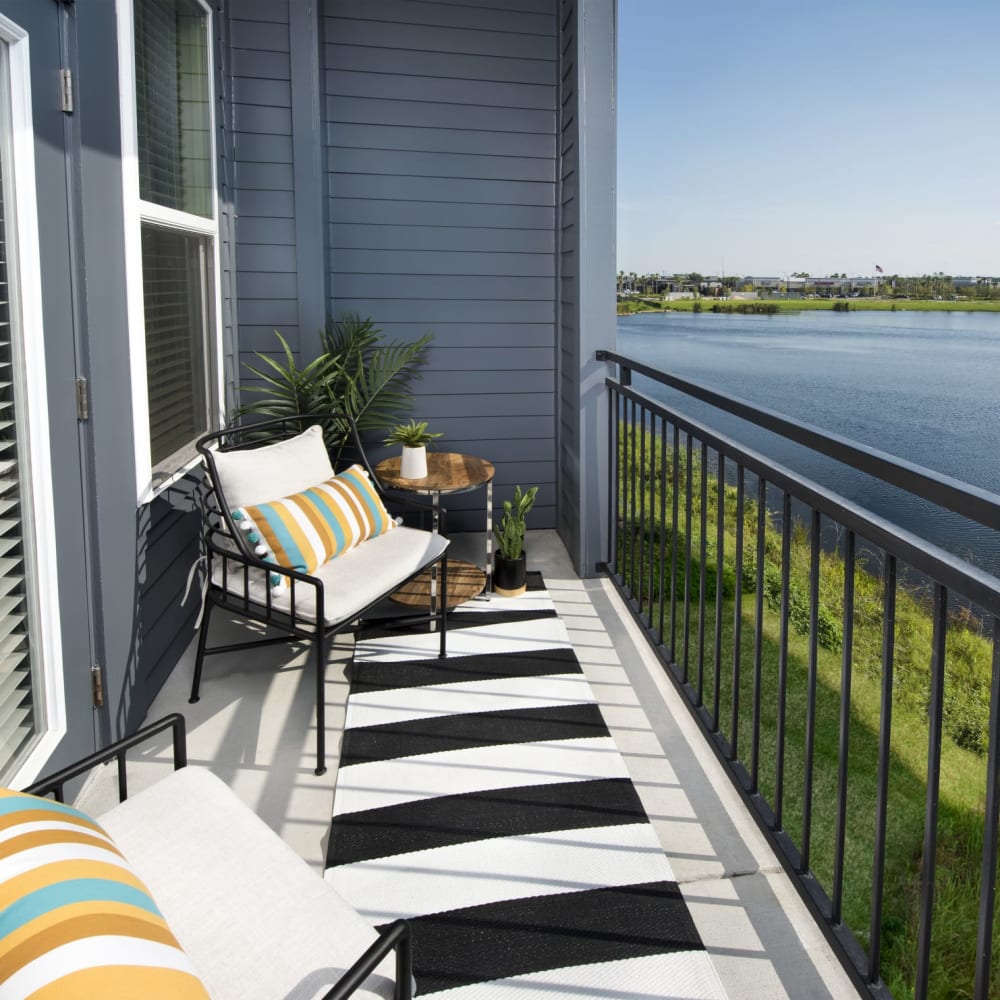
[200, 656]
[444, 605]
[320, 701]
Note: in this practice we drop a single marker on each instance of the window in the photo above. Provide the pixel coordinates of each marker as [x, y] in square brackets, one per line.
[176, 292]
[172, 247]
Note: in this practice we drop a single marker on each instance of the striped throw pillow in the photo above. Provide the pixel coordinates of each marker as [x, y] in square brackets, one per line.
[75, 921]
[307, 529]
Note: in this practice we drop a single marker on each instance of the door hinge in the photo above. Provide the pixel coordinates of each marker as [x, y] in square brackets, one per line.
[82, 399]
[66, 78]
[97, 685]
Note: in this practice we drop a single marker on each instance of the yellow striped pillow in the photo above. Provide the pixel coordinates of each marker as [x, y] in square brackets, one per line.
[307, 529]
[75, 921]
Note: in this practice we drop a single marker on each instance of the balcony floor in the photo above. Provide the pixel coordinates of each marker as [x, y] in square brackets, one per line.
[254, 727]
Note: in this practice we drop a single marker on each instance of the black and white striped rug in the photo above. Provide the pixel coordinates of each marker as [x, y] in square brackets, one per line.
[483, 798]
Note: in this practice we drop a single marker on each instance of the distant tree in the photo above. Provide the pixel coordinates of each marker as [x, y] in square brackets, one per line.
[696, 279]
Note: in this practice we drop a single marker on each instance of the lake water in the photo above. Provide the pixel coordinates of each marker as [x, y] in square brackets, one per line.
[924, 386]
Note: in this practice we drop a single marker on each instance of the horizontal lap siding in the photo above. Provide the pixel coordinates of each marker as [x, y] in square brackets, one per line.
[266, 279]
[441, 132]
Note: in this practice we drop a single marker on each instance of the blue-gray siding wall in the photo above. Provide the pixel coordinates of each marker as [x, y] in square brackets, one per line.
[441, 131]
[266, 277]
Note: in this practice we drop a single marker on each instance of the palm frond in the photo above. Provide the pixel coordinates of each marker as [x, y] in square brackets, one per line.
[354, 372]
[382, 387]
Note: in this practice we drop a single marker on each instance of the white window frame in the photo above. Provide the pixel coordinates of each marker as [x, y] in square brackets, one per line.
[136, 212]
[37, 504]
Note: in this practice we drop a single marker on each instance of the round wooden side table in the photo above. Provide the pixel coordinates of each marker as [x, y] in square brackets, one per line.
[447, 473]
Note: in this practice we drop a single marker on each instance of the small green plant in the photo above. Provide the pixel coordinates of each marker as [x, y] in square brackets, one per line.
[510, 534]
[412, 435]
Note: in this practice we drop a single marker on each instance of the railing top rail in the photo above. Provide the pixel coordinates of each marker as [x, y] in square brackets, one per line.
[969, 501]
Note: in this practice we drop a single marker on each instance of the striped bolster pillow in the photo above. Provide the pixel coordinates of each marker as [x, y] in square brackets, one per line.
[75, 921]
[305, 530]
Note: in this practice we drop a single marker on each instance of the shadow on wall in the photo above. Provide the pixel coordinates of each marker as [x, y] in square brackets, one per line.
[169, 576]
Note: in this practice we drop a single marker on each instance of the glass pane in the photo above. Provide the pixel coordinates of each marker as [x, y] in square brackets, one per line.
[18, 707]
[176, 296]
[173, 106]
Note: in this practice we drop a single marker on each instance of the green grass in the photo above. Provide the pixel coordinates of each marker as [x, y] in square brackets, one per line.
[963, 771]
[627, 307]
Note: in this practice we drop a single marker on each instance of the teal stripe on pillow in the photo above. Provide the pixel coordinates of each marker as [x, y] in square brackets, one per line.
[79, 890]
[9, 805]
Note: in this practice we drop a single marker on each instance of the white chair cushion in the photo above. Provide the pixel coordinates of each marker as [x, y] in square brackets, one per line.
[256, 921]
[353, 580]
[257, 475]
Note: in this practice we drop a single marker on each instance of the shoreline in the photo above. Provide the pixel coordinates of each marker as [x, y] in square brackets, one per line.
[807, 305]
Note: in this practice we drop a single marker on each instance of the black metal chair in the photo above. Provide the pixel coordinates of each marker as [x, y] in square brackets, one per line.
[254, 463]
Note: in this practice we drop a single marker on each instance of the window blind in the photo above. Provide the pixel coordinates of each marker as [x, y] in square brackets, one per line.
[18, 722]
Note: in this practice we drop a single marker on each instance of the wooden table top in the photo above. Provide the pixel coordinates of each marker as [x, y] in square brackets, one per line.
[447, 472]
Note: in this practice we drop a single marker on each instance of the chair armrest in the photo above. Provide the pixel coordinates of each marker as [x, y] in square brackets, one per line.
[54, 783]
[394, 936]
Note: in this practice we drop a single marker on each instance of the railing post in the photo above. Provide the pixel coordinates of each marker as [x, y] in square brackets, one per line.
[844, 743]
[807, 777]
[786, 556]
[935, 713]
[991, 818]
[884, 758]
[737, 617]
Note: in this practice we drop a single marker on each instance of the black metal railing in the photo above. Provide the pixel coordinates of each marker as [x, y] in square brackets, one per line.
[846, 671]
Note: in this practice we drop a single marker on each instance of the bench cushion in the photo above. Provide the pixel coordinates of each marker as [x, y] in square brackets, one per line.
[75, 919]
[257, 922]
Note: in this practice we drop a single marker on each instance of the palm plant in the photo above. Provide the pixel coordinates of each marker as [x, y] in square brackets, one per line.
[355, 373]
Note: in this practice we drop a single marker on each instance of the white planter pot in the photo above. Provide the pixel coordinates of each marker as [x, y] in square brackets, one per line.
[414, 464]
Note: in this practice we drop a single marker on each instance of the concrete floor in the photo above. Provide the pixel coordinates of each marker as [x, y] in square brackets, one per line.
[255, 728]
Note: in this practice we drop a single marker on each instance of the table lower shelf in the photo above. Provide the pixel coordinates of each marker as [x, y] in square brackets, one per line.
[465, 581]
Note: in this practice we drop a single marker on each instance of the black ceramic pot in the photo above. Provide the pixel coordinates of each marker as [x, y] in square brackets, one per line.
[509, 575]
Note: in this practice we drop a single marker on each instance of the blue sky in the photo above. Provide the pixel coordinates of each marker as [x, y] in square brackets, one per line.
[769, 137]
